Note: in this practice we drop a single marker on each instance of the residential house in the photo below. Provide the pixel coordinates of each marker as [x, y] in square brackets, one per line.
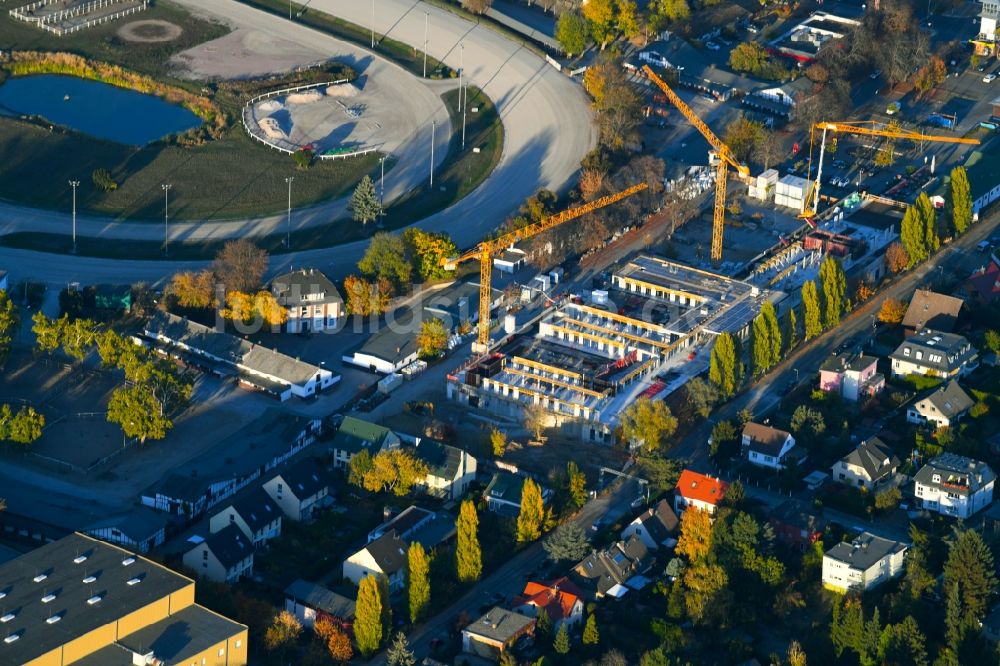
[853, 375]
[255, 513]
[224, 557]
[140, 529]
[310, 602]
[984, 283]
[355, 436]
[252, 452]
[864, 563]
[80, 601]
[255, 366]
[503, 494]
[941, 407]
[765, 446]
[301, 489]
[450, 470]
[935, 354]
[496, 633]
[560, 598]
[608, 571]
[698, 490]
[655, 527]
[430, 528]
[954, 485]
[868, 466]
[656, 54]
[929, 309]
[385, 556]
[795, 524]
[310, 300]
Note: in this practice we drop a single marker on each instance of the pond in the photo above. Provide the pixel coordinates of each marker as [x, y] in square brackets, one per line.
[95, 108]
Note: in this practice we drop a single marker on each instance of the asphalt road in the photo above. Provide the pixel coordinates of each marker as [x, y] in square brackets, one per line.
[548, 129]
[510, 578]
[804, 364]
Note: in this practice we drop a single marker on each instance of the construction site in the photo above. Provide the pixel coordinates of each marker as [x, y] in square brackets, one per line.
[644, 334]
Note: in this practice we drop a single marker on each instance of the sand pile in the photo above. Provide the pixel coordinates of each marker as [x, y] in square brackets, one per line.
[270, 106]
[304, 97]
[343, 90]
[272, 130]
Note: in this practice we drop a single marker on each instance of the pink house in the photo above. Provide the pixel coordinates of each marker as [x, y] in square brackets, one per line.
[853, 375]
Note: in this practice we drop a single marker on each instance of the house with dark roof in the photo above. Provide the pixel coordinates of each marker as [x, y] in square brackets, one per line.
[869, 466]
[954, 485]
[503, 494]
[385, 556]
[251, 452]
[310, 300]
[560, 599]
[940, 407]
[430, 528]
[796, 524]
[929, 309]
[256, 367]
[224, 557]
[935, 354]
[765, 446]
[81, 601]
[141, 529]
[699, 491]
[655, 527]
[300, 489]
[984, 283]
[310, 602]
[450, 469]
[496, 633]
[864, 563]
[255, 513]
[356, 435]
[854, 376]
[608, 571]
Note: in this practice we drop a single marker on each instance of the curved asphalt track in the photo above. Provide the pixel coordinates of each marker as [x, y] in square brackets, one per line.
[547, 121]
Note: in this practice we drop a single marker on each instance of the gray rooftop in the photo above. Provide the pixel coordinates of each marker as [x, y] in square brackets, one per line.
[948, 349]
[865, 551]
[229, 545]
[932, 310]
[304, 287]
[304, 479]
[318, 597]
[500, 624]
[256, 508]
[948, 400]
[183, 635]
[442, 460]
[139, 524]
[956, 474]
[64, 571]
[855, 362]
[389, 552]
[874, 456]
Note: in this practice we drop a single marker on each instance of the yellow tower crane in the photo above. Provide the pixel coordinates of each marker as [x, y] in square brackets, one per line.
[726, 160]
[487, 249]
[863, 128]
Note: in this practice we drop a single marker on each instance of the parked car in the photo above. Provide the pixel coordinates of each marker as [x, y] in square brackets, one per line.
[989, 78]
[712, 46]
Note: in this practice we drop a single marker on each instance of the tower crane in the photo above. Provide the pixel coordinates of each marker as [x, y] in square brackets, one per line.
[726, 160]
[487, 249]
[862, 128]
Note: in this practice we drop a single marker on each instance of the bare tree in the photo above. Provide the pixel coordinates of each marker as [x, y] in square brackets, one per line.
[240, 265]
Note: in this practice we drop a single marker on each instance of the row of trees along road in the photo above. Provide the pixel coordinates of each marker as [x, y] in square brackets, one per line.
[25, 425]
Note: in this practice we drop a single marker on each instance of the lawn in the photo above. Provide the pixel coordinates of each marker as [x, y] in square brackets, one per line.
[102, 43]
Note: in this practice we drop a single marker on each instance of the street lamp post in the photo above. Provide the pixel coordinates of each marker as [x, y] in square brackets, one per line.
[465, 108]
[74, 184]
[381, 184]
[373, 23]
[461, 71]
[166, 217]
[433, 127]
[425, 44]
[288, 217]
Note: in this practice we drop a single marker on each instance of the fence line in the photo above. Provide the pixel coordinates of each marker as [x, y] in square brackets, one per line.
[247, 115]
[44, 22]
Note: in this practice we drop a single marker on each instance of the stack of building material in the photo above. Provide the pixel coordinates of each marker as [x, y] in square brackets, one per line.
[763, 187]
[791, 191]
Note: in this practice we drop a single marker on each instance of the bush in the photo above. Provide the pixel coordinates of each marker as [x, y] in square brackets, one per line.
[922, 382]
[979, 409]
[303, 158]
[888, 499]
[103, 180]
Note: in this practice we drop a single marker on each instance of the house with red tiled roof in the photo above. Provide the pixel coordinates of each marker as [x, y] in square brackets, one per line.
[984, 284]
[698, 490]
[560, 598]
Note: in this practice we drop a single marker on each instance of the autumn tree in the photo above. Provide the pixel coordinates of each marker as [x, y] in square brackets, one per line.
[864, 291]
[428, 251]
[240, 266]
[961, 200]
[725, 366]
[432, 340]
[695, 540]
[193, 289]
[576, 483]
[600, 15]
[812, 310]
[9, 319]
[664, 12]
[536, 419]
[930, 75]
[396, 471]
[571, 33]
[628, 18]
[760, 345]
[418, 584]
[834, 286]
[648, 423]
[369, 629]
[477, 6]
[591, 183]
[531, 519]
[359, 467]
[468, 553]
[386, 259]
[742, 136]
[561, 642]
[261, 306]
[137, 411]
[337, 642]
[283, 632]
[365, 203]
[22, 427]
[927, 213]
[498, 442]
[591, 635]
[892, 311]
[365, 298]
[896, 259]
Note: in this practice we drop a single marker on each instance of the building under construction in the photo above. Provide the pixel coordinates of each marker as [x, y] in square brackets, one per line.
[645, 332]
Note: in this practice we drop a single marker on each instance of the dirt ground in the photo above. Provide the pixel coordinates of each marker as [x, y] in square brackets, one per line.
[150, 31]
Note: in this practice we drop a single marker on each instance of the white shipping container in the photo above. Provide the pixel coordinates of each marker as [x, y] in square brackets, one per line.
[599, 296]
[390, 383]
